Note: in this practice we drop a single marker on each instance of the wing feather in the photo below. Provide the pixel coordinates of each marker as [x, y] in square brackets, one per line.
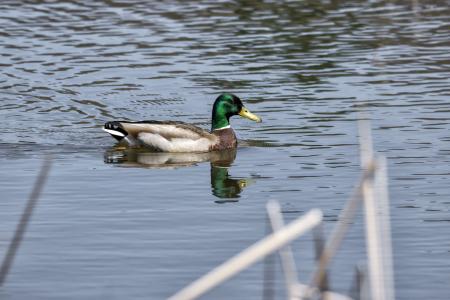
[161, 143]
[167, 129]
[170, 136]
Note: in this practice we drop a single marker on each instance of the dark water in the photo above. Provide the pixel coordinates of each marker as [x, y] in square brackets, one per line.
[115, 224]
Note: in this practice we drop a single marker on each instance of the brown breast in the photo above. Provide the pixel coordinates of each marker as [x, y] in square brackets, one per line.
[227, 139]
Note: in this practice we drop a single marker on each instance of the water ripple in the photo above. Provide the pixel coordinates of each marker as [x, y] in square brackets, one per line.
[307, 67]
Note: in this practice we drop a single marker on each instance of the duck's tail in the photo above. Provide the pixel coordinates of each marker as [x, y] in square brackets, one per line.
[115, 129]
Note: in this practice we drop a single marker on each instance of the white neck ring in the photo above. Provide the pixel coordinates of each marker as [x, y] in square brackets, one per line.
[225, 127]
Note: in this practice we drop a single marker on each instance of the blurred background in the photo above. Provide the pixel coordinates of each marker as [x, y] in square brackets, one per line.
[120, 224]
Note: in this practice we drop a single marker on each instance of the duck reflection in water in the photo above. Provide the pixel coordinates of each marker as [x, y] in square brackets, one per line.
[223, 186]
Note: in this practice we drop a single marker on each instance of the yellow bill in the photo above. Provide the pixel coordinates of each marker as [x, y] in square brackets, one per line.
[245, 113]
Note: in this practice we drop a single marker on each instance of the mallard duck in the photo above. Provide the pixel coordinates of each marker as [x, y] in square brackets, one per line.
[169, 136]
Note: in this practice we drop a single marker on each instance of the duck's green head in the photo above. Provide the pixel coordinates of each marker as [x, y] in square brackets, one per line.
[227, 105]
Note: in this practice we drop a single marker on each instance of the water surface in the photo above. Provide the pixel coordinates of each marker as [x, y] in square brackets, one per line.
[116, 224]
